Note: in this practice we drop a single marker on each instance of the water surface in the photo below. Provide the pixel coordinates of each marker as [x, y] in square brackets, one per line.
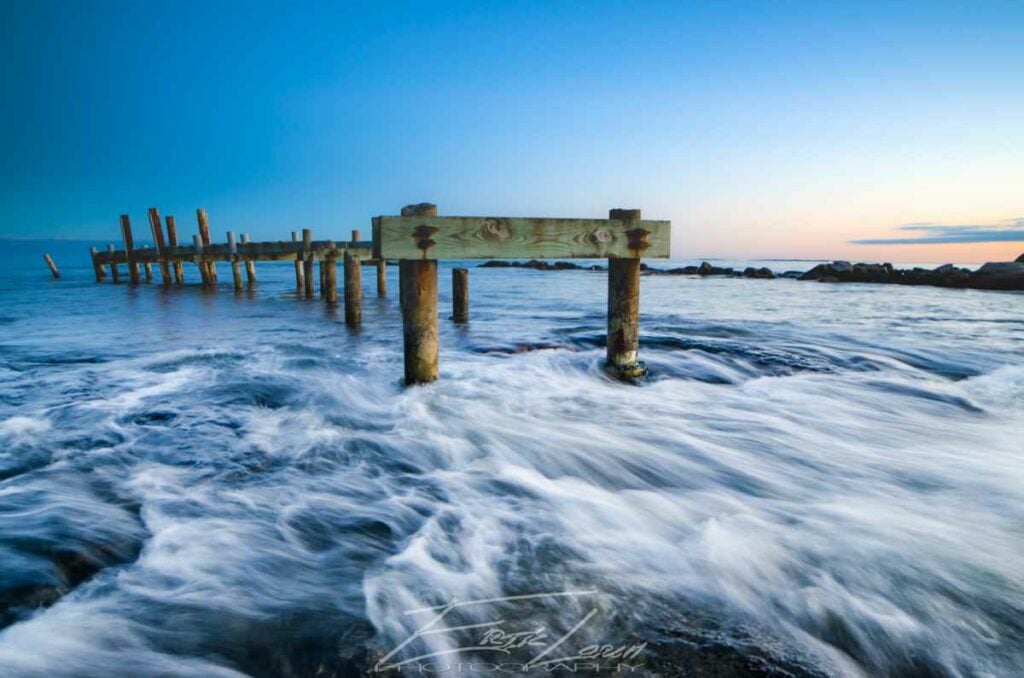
[815, 480]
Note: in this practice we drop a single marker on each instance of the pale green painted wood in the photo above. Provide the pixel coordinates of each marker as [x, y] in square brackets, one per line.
[519, 238]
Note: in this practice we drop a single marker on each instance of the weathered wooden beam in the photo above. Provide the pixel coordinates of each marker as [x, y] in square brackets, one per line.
[382, 278]
[433, 237]
[53, 267]
[460, 295]
[307, 254]
[257, 251]
[115, 276]
[172, 241]
[149, 271]
[129, 248]
[96, 266]
[250, 265]
[623, 341]
[156, 226]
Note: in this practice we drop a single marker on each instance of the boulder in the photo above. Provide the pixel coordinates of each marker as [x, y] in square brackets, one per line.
[1020, 259]
[705, 268]
[841, 266]
[1003, 275]
[818, 272]
[763, 272]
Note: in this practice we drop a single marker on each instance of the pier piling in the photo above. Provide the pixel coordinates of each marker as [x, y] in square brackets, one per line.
[250, 265]
[115, 276]
[382, 278]
[129, 249]
[149, 271]
[307, 253]
[53, 266]
[624, 309]
[353, 286]
[204, 235]
[172, 240]
[417, 280]
[156, 227]
[460, 295]
[236, 265]
[329, 266]
[204, 272]
[299, 284]
[96, 266]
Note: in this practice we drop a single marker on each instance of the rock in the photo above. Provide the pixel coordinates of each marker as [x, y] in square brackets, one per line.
[540, 265]
[841, 266]
[794, 275]
[828, 279]
[763, 272]
[705, 268]
[817, 272]
[1020, 259]
[944, 269]
[1008, 275]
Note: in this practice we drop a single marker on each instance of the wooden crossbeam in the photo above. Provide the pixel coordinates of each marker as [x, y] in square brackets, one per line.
[432, 237]
[256, 251]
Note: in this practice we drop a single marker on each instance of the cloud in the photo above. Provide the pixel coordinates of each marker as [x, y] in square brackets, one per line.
[1011, 230]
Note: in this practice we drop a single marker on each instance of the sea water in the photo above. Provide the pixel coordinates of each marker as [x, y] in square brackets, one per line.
[815, 479]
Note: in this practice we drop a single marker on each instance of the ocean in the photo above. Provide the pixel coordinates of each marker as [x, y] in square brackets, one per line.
[814, 480]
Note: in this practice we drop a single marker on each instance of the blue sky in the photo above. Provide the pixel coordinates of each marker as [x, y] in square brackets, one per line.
[760, 129]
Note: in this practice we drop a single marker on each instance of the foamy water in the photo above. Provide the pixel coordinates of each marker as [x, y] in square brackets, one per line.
[815, 480]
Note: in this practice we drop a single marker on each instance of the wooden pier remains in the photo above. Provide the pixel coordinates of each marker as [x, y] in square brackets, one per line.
[417, 238]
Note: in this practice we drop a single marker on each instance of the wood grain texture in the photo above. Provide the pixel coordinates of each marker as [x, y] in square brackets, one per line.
[432, 237]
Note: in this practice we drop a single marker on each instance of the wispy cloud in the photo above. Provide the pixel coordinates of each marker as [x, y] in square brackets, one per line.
[1011, 230]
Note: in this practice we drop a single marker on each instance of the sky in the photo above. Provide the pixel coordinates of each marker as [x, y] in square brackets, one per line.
[867, 131]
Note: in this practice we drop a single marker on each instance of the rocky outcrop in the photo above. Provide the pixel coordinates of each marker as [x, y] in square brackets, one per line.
[992, 276]
[540, 265]
[999, 276]
[1007, 275]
